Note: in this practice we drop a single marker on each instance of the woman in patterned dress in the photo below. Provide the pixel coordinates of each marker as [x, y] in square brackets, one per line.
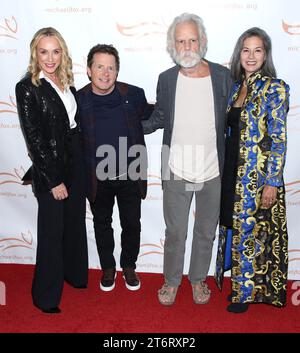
[253, 212]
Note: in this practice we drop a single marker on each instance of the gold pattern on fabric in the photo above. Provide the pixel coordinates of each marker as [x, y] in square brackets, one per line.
[260, 240]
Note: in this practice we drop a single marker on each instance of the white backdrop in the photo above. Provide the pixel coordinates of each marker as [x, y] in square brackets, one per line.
[137, 28]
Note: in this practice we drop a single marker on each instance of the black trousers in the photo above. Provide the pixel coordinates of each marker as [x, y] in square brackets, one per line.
[61, 238]
[128, 198]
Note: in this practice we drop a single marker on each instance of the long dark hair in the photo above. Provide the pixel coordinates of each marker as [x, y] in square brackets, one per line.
[267, 69]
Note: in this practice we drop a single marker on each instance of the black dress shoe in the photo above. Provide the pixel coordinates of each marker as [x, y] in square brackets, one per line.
[237, 307]
[54, 310]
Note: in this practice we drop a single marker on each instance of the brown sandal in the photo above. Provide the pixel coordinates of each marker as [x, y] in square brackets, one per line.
[167, 294]
[201, 293]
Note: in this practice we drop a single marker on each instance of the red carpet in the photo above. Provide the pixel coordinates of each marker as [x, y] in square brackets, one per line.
[123, 311]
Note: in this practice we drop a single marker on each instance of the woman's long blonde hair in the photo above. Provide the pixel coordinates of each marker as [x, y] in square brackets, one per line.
[64, 71]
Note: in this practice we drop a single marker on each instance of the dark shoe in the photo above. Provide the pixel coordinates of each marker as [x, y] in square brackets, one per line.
[237, 307]
[132, 281]
[107, 282]
[81, 286]
[54, 310]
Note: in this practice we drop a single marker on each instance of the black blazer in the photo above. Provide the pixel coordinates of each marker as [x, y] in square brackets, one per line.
[45, 125]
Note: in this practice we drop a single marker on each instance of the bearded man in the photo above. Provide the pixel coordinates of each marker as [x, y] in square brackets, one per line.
[191, 108]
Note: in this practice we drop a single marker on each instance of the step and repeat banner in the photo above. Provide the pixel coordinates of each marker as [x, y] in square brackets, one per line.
[137, 28]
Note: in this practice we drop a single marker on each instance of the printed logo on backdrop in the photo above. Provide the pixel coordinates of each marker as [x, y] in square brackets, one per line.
[142, 29]
[24, 240]
[294, 263]
[294, 111]
[17, 249]
[8, 114]
[8, 27]
[65, 7]
[233, 6]
[147, 250]
[292, 29]
[151, 248]
[79, 68]
[146, 35]
[154, 189]
[294, 255]
[8, 106]
[8, 34]
[294, 114]
[292, 190]
[13, 177]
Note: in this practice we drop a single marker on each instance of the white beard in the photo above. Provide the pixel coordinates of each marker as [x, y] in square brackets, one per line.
[187, 59]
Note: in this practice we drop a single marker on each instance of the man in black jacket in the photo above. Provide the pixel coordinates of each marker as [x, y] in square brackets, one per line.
[111, 114]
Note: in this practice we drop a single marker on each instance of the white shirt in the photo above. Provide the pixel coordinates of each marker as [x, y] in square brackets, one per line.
[193, 152]
[67, 98]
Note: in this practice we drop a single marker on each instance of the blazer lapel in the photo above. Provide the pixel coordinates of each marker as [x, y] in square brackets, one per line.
[51, 92]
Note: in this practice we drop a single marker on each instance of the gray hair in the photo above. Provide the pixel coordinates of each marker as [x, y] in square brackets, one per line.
[267, 69]
[187, 17]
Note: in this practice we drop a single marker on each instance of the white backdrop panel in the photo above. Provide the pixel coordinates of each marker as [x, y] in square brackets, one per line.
[138, 30]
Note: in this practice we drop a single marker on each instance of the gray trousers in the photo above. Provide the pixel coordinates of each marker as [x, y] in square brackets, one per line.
[177, 198]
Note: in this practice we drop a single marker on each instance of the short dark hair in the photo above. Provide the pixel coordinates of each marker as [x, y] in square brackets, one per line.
[267, 69]
[104, 49]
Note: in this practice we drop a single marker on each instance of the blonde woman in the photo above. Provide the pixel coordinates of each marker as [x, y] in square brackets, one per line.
[48, 115]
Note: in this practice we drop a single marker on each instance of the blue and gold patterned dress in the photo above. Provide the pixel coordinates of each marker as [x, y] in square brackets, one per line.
[259, 249]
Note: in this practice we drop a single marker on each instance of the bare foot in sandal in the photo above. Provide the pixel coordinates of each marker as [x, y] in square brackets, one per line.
[167, 294]
[201, 293]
